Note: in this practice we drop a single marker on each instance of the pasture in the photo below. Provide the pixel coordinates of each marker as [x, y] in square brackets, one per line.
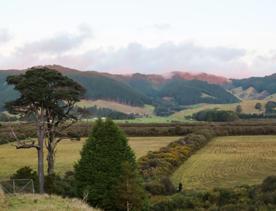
[27, 202]
[248, 107]
[229, 161]
[146, 110]
[68, 152]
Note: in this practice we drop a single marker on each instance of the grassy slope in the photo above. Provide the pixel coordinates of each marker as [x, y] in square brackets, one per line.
[68, 153]
[147, 109]
[229, 161]
[3, 202]
[248, 106]
[29, 202]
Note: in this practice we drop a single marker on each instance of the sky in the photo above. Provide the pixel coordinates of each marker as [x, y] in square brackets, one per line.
[232, 38]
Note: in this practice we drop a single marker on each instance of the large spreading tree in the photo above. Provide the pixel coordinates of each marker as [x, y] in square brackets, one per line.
[107, 173]
[49, 98]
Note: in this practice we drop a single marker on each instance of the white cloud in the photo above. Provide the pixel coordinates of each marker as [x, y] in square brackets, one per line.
[167, 57]
[135, 57]
[162, 26]
[5, 36]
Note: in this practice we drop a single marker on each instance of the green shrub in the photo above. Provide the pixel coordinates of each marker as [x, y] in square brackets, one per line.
[269, 184]
[54, 184]
[231, 199]
[26, 173]
[162, 163]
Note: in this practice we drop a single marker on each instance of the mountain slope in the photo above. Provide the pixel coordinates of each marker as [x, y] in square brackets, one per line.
[186, 92]
[102, 87]
[137, 89]
[212, 79]
[7, 92]
[260, 84]
[97, 85]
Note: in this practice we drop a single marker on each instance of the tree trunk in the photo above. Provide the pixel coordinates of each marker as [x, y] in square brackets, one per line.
[51, 150]
[40, 153]
[40, 167]
[128, 209]
[51, 159]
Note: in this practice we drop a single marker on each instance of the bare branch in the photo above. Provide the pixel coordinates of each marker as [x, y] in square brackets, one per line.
[23, 144]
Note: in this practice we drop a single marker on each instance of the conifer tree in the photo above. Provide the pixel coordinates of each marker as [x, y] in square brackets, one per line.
[100, 169]
[130, 192]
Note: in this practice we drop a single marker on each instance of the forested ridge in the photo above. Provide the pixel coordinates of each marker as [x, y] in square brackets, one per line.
[267, 83]
[166, 94]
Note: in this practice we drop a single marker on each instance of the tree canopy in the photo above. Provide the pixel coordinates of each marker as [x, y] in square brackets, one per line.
[49, 97]
[214, 115]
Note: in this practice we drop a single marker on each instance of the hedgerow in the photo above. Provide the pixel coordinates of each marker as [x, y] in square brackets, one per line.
[83, 129]
[156, 167]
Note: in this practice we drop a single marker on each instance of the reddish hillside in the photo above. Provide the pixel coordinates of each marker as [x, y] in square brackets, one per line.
[212, 79]
[153, 78]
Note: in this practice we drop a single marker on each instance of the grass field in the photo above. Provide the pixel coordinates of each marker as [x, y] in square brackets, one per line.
[248, 106]
[30, 202]
[229, 161]
[146, 110]
[68, 153]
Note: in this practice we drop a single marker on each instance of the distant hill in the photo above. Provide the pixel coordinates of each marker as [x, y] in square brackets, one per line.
[249, 94]
[267, 83]
[98, 86]
[7, 92]
[212, 79]
[186, 92]
[139, 89]
[255, 87]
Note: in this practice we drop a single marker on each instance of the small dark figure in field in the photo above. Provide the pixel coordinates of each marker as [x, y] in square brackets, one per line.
[180, 187]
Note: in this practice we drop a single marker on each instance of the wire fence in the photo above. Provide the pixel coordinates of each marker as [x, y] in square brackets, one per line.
[17, 186]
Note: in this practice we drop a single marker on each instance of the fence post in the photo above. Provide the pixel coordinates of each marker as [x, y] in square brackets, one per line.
[33, 186]
[13, 185]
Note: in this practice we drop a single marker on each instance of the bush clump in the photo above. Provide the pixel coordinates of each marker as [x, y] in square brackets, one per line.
[214, 115]
[248, 198]
[54, 184]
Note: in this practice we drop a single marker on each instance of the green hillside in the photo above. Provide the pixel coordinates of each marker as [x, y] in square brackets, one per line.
[98, 86]
[102, 87]
[192, 92]
[166, 95]
[7, 92]
[146, 84]
[267, 83]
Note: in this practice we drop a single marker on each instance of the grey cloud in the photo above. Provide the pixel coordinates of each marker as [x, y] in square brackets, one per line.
[57, 44]
[161, 59]
[167, 57]
[264, 64]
